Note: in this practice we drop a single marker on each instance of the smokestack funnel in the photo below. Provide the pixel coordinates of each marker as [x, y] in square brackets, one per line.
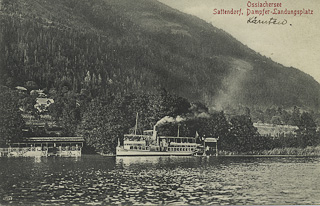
[154, 134]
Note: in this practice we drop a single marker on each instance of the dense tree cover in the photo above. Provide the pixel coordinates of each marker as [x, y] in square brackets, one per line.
[103, 124]
[112, 47]
[103, 120]
[306, 122]
[108, 118]
[11, 122]
[243, 136]
[307, 131]
[35, 51]
[272, 115]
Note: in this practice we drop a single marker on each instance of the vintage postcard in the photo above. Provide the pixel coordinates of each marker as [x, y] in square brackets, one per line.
[159, 102]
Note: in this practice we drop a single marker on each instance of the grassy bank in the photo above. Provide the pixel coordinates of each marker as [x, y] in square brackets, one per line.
[308, 151]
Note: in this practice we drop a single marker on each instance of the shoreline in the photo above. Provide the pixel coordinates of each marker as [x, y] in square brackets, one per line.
[310, 151]
[255, 155]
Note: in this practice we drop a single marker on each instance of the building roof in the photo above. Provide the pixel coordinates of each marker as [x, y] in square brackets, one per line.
[210, 139]
[37, 90]
[171, 137]
[21, 88]
[44, 101]
[55, 139]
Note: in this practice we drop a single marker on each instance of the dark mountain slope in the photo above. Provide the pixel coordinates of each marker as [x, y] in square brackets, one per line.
[116, 46]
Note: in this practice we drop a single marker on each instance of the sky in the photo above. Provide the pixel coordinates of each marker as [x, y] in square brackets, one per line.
[295, 44]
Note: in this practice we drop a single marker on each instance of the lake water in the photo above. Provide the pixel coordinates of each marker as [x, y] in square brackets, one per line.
[92, 179]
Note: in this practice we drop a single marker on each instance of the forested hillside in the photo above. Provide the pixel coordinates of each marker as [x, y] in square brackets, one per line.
[113, 47]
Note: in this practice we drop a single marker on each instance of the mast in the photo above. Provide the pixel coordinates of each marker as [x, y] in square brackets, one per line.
[136, 126]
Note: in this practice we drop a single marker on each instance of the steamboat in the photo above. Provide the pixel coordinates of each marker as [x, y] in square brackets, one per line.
[150, 144]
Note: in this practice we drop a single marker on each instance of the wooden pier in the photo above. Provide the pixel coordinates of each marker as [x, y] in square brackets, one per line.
[45, 146]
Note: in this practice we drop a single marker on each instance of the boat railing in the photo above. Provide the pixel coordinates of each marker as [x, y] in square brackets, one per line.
[141, 142]
[4, 149]
[136, 147]
[136, 136]
[183, 144]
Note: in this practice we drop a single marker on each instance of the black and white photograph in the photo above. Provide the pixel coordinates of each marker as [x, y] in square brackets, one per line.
[159, 102]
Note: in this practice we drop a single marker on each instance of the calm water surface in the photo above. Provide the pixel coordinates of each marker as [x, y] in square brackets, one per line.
[159, 180]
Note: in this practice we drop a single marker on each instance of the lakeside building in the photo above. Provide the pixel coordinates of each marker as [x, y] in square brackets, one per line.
[275, 130]
[45, 146]
[42, 104]
[38, 92]
[211, 146]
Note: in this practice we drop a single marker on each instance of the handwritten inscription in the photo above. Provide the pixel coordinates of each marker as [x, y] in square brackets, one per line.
[255, 20]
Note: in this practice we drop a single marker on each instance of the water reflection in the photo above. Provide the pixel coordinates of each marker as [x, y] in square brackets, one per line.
[159, 180]
[127, 161]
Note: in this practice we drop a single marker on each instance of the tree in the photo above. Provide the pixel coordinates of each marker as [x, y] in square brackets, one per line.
[307, 131]
[27, 102]
[164, 104]
[11, 122]
[295, 117]
[105, 122]
[276, 120]
[66, 109]
[71, 117]
[243, 136]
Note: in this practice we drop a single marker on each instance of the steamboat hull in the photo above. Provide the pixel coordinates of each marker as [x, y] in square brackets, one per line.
[123, 152]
